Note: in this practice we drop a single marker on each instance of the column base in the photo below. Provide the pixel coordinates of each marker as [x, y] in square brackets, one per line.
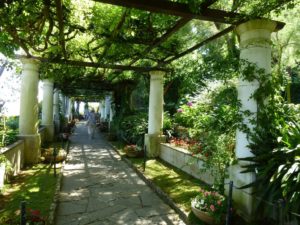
[242, 198]
[49, 132]
[32, 145]
[152, 143]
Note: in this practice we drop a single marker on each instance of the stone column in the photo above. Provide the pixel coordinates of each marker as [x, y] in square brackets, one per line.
[155, 119]
[107, 107]
[47, 109]
[77, 108]
[70, 109]
[255, 40]
[62, 99]
[56, 111]
[28, 122]
[111, 113]
[102, 110]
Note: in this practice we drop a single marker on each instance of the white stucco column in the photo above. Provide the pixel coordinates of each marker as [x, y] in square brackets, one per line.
[255, 48]
[155, 115]
[56, 111]
[28, 122]
[70, 107]
[102, 110]
[107, 107]
[111, 112]
[47, 109]
[62, 98]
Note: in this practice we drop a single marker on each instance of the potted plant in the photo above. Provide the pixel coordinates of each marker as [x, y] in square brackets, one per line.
[209, 206]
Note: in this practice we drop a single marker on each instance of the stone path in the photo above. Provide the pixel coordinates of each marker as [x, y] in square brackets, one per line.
[98, 188]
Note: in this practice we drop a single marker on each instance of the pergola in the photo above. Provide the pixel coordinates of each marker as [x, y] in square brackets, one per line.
[86, 49]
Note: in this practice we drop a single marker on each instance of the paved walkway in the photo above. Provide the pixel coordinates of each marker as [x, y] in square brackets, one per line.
[99, 188]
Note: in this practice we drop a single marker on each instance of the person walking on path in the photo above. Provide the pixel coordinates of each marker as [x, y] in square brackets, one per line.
[91, 123]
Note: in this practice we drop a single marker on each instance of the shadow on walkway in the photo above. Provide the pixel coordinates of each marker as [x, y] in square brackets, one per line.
[98, 188]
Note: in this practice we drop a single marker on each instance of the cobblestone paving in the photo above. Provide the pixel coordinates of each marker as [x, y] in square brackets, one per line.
[98, 188]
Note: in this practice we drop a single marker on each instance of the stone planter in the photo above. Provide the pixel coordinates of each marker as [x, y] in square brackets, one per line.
[202, 215]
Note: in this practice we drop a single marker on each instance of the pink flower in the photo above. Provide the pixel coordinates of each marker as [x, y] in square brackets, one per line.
[219, 202]
[190, 104]
[212, 208]
[179, 110]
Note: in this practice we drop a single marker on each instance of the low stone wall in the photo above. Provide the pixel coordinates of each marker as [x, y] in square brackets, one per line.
[183, 160]
[14, 154]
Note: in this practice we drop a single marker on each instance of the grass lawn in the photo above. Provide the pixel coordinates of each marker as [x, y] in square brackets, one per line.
[35, 185]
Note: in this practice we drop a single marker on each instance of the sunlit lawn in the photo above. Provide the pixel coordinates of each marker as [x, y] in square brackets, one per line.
[35, 185]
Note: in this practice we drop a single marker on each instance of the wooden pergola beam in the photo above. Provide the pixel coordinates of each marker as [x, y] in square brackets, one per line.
[215, 36]
[114, 33]
[180, 23]
[94, 64]
[206, 4]
[177, 9]
[59, 12]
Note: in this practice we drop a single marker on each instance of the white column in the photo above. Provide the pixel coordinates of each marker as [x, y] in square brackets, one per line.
[28, 124]
[70, 106]
[255, 41]
[56, 110]
[62, 103]
[111, 113]
[155, 119]
[107, 107]
[47, 109]
[102, 110]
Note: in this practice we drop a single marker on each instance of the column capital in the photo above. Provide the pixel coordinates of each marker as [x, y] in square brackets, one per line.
[157, 74]
[256, 32]
[257, 24]
[48, 82]
[30, 64]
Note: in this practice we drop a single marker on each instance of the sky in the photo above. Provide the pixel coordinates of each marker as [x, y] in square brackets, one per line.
[10, 85]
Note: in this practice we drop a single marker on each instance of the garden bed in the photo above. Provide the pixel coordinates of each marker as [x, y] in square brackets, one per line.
[35, 185]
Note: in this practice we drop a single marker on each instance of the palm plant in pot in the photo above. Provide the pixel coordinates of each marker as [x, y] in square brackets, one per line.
[209, 206]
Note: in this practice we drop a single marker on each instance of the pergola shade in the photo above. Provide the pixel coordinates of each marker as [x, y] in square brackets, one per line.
[108, 37]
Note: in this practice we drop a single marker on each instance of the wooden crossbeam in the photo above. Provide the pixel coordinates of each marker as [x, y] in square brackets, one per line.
[114, 33]
[59, 12]
[94, 64]
[178, 9]
[215, 36]
[180, 23]
[206, 4]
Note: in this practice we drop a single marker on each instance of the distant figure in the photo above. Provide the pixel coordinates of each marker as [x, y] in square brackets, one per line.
[91, 123]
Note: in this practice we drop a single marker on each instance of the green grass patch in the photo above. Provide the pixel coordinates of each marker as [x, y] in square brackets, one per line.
[35, 185]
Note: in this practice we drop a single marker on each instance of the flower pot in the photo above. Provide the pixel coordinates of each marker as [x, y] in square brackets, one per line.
[202, 215]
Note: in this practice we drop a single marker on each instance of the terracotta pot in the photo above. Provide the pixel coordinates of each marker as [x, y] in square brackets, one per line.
[202, 215]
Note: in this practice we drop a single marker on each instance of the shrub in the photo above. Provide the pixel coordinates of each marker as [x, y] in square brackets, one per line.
[8, 130]
[134, 127]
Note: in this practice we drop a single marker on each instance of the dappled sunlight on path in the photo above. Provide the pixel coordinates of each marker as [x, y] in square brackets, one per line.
[98, 188]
